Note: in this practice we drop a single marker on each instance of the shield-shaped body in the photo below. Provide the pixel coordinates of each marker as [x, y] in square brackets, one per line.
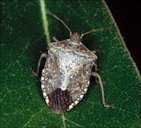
[66, 74]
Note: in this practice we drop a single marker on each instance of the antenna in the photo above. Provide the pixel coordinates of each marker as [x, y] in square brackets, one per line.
[94, 30]
[56, 17]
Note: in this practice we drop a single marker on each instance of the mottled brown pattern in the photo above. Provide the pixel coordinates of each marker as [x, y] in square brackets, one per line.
[66, 74]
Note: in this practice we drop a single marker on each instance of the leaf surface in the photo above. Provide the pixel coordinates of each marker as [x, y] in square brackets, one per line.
[22, 39]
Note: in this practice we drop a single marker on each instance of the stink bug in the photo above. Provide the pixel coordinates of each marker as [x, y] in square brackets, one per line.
[67, 71]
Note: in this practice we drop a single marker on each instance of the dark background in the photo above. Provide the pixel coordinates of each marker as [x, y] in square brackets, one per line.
[127, 14]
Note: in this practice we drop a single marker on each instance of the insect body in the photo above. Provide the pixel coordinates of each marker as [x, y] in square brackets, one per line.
[66, 74]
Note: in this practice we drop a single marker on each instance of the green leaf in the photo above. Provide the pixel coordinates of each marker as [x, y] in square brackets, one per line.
[22, 39]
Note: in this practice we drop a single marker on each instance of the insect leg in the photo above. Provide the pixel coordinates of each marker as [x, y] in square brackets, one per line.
[95, 66]
[55, 39]
[43, 55]
[102, 88]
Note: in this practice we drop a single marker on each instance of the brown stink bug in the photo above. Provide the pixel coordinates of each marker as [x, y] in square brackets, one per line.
[67, 71]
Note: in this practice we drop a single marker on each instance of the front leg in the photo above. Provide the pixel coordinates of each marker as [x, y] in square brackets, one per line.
[55, 39]
[43, 55]
[102, 88]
